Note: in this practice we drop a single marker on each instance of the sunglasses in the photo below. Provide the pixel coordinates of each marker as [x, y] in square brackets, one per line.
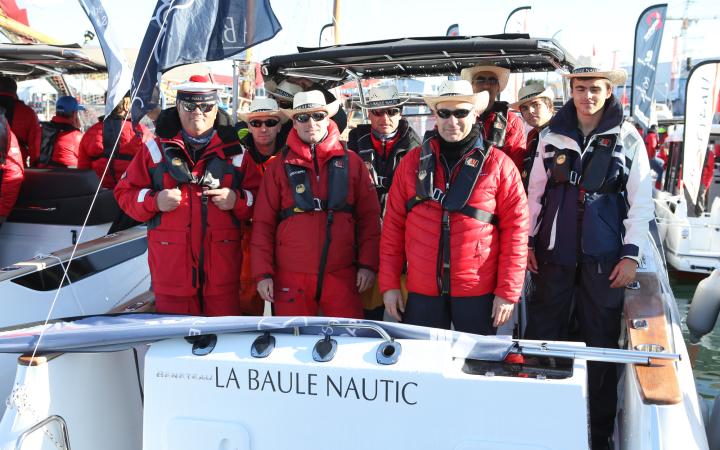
[257, 123]
[483, 80]
[458, 113]
[391, 112]
[305, 117]
[190, 106]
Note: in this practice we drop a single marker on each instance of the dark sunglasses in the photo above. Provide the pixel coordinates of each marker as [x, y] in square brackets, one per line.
[391, 112]
[190, 106]
[458, 113]
[257, 123]
[305, 117]
[483, 80]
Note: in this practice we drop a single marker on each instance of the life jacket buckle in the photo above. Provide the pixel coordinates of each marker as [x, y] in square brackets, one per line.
[381, 181]
[438, 195]
[574, 176]
[318, 204]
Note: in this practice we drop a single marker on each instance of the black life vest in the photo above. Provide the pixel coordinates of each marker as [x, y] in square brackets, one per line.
[4, 141]
[498, 129]
[50, 133]
[454, 199]
[112, 129]
[305, 201]
[382, 169]
[174, 162]
[338, 188]
[7, 107]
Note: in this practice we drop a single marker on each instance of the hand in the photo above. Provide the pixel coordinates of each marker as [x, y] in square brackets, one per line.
[623, 273]
[532, 264]
[365, 279]
[223, 198]
[502, 311]
[394, 304]
[168, 199]
[265, 289]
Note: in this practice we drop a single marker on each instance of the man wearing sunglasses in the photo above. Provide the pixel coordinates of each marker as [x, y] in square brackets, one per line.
[260, 140]
[501, 127]
[590, 198]
[457, 214]
[381, 144]
[316, 227]
[193, 185]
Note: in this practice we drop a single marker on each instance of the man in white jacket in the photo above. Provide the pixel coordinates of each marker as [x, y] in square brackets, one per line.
[590, 199]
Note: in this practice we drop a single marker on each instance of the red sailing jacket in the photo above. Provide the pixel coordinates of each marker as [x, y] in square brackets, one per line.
[708, 170]
[92, 151]
[178, 242]
[295, 244]
[26, 126]
[651, 144]
[515, 145]
[67, 145]
[485, 258]
[12, 173]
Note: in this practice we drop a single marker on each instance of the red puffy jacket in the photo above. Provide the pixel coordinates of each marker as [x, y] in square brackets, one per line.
[67, 145]
[12, 173]
[296, 243]
[92, 151]
[176, 241]
[515, 145]
[26, 126]
[484, 258]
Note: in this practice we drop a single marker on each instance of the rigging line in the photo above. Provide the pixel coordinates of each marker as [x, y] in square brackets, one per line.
[97, 191]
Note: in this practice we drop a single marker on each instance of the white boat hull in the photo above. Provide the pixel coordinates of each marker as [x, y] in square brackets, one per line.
[692, 244]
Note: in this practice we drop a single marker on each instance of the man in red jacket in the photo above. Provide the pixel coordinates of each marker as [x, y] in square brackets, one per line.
[457, 213]
[61, 136]
[316, 227]
[261, 142]
[12, 170]
[114, 132]
[501, 127]
[22, 119]
[193, 185]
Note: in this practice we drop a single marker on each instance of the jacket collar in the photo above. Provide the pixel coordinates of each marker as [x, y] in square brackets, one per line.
[299, 152]
[565, 122]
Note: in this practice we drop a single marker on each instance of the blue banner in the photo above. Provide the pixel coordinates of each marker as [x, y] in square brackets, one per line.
[190, 31]
[648, 37]
[119, 78]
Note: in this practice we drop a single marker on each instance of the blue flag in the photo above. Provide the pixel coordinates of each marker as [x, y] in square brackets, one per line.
[190, 31]
[648, 36]
[119, 78]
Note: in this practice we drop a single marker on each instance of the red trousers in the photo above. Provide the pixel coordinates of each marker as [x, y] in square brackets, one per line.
[213, 305]
[294, 294]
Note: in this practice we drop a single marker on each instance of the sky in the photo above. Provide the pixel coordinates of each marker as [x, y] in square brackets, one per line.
[604, 27]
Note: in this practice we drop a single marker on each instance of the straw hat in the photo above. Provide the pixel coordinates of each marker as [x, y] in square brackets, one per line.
[616, 77]
[502, 74]
[262, 107]
[531, 92]
[383, 97]
[458, 91]
[310, 102]
[285, 90]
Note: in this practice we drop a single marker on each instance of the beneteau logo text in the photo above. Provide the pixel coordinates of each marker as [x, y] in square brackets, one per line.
[317, 385]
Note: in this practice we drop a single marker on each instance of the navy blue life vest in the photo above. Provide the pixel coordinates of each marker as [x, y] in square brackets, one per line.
[584, 203]
[305, 201]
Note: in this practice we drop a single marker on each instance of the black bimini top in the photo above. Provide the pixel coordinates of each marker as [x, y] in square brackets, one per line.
[419, 57]
[29, 61]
